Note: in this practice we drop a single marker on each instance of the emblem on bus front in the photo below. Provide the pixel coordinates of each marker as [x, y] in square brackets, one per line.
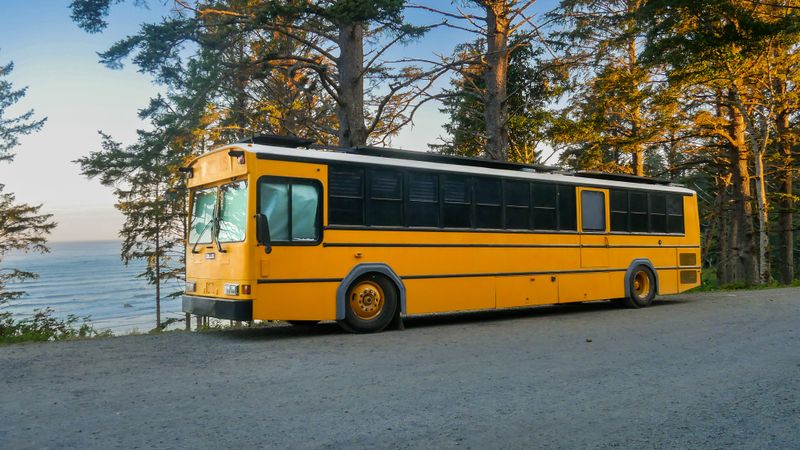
[211, 255]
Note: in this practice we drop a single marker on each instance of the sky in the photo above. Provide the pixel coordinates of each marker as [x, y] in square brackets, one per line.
[58, 63]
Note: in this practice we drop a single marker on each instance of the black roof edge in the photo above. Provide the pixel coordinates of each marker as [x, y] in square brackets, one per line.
[278, 141]
[396, 153]
[620, 177]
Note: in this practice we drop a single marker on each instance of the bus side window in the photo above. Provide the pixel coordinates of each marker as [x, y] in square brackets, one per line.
[593, 211]
[675, 214]
[619, 211]
[457, 197]
[658, 213]
[638, 212]
[346, 195]
[385, 199]
[487, 203]
[567, 208]
[544, 206]
[422, 205]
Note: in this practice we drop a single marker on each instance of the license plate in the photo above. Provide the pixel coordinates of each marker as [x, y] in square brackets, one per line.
[211, 255]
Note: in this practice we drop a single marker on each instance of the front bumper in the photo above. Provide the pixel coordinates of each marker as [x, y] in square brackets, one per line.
[218, 307]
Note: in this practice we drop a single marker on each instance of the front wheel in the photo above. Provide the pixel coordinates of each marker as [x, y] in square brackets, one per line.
[371, 304]
[641, 288]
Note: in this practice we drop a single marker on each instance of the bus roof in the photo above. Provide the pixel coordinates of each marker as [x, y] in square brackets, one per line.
[391, 159]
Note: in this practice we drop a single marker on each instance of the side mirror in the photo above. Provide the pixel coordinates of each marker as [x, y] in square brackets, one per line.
[262, 232]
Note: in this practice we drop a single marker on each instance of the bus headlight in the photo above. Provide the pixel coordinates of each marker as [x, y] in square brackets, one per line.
[191, 286]
[231, 289]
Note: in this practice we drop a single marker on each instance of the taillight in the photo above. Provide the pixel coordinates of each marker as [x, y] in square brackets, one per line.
[245, 289]
[191, 286]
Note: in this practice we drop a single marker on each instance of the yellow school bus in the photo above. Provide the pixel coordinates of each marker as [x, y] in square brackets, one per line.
[281, 229]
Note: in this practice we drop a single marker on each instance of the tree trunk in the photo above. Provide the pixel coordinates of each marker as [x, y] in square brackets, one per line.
[496, 77]
[350, 64]
[757, 149]
[786, 203]
[637, 149]
[743, 239]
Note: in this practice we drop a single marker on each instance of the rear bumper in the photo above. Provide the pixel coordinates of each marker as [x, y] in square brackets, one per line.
[218, 307]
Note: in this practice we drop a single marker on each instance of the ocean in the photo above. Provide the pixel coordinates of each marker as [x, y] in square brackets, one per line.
[89, 279]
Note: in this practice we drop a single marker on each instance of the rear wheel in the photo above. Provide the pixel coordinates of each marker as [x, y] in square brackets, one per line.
[370, 305]
[641, 288]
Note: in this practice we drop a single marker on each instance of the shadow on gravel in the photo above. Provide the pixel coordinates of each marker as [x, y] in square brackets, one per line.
[286, 331]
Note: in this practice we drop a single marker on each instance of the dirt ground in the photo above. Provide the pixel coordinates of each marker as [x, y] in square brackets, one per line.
[708, 370]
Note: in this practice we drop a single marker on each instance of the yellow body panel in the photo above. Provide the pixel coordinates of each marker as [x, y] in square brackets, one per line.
[441, 270]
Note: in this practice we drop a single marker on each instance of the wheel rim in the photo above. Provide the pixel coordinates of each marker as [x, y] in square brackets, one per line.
[641, 284]
[367, 300]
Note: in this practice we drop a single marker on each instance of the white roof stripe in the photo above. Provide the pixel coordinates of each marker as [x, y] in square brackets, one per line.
[313, 154]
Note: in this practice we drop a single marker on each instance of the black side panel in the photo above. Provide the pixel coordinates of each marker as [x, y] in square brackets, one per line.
[219, 308]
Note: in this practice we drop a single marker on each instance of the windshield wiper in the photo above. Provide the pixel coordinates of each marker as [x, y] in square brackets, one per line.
[200, 236]
[216, 236]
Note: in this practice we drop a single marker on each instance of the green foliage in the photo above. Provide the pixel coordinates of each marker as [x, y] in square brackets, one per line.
[44, 326]
[22, 227]
[532, 84]
[11, 128]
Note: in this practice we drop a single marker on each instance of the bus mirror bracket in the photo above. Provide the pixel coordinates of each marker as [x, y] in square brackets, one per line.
[262, 232]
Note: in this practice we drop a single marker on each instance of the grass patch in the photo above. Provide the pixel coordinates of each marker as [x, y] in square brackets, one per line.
[44, 326]
[710, 283]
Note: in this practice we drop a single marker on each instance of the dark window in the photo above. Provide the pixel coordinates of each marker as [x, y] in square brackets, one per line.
[658, 213]
[488, 213]
[638, 209]
[422, 207]
[346, 195]
[385, 205]
[567, 208]
[675, 219]
[544, 206]
[619, 210]
[457, 197]
[517, 204]
[593, 211]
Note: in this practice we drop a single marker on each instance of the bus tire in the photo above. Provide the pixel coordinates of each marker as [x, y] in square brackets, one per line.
[370, 305]
[302, 323]
[641, 287]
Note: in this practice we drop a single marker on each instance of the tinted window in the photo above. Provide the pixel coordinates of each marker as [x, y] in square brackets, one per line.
[346, 194]
[457, 201]
[593, 211]
[567, 208]
[638, 212]
[422, 207]
[658, 213]
[385, 206]
[544, 206]
[487, 203]
[517, 204]
[619, 210]
[675, 219]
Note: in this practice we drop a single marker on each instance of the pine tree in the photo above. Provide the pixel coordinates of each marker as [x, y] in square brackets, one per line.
[532, 84]
[22, 226]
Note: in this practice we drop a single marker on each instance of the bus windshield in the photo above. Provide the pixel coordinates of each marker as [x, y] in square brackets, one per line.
[233, 212]
[200, 230]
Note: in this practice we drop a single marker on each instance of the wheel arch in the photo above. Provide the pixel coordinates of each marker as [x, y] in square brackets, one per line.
[363, 269]
[629, 273]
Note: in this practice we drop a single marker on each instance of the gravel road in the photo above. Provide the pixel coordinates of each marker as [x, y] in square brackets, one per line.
[712, 370]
